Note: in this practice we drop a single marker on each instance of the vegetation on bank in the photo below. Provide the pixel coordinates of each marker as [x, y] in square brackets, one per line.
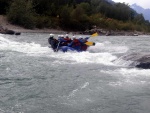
[73, 15]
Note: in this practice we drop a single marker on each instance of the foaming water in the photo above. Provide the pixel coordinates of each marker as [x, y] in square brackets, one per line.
[131, 72]
[108, 47]
[34, 79]
[29, 48]
[34, 49]
[129, 77]
[86, 57]
[122, 62]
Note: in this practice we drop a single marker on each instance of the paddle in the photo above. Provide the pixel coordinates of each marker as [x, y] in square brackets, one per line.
[91, 43]
[95, 34]
[57, 46]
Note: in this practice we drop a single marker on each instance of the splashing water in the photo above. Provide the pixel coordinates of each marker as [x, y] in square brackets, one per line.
[37, 50]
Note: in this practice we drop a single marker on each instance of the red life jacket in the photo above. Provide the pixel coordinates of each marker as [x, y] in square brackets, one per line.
[67, 41]
[84, 47]
[76, 42]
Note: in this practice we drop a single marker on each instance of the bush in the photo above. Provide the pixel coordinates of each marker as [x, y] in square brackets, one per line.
[43, 21]
[21, 13]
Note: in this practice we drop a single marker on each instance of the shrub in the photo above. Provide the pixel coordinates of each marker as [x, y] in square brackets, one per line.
[21, 13]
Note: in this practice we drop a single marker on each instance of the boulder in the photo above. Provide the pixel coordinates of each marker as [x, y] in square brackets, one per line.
[8, 31]
[139, 60]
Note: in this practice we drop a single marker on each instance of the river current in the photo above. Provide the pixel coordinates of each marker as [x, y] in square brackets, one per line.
[34, 79]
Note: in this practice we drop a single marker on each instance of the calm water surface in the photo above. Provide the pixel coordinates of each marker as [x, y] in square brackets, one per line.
[34, 79]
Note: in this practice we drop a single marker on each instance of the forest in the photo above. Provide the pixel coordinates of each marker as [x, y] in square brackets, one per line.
[77, 15]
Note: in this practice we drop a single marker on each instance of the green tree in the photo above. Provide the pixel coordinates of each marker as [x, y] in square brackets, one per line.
[21, 13]
[4, 5]
[65, 16]
[79, 18]
[139, 19]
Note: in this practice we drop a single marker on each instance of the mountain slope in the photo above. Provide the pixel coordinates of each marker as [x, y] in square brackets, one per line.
[145, 12]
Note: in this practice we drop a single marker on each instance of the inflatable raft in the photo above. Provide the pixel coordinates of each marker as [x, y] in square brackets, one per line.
[65, 44]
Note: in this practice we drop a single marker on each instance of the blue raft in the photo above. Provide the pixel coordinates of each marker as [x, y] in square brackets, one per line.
[66, 48]
[71, 45]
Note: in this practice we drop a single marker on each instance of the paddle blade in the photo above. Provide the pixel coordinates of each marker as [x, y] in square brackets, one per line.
[95, 34]
[90, 43]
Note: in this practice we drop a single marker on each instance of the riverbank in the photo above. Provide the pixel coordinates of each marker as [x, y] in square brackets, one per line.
[6, 25]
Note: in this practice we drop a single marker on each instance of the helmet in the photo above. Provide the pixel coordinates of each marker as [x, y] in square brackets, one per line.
[80, 36]
[66, 35]
[51, 35]
[62, 35]
[87, 38]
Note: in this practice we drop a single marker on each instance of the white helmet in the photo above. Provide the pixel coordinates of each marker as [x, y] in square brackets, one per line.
[80, 36]
[51, 35]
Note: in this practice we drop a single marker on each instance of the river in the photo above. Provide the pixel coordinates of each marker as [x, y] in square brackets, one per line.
[34, 79]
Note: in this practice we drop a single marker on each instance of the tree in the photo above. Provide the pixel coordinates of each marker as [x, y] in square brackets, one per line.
[79, 18]
[139, 19]
[4, 4]
[65, 16]
[21, 13]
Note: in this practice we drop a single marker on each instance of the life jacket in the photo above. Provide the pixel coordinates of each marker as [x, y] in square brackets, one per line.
[76, 42]
[50, 39]
[84, 47]
[67, 41]
[76, 45]
[54, 44]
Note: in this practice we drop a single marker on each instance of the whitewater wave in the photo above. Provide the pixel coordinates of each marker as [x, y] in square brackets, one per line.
[28, 48]
[101, 53]
[108, 47]
[127, 77]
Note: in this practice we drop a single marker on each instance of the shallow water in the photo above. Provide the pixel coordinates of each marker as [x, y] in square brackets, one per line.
[34, 79]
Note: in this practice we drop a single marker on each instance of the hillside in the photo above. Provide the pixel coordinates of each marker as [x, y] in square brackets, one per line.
[139, 10]
[6, 25]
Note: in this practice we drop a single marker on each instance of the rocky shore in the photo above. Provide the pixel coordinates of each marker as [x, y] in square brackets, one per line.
[115, 32]
[7, 28]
